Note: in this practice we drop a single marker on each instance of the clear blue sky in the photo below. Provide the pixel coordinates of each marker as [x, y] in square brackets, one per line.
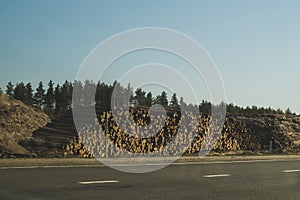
[256, 44]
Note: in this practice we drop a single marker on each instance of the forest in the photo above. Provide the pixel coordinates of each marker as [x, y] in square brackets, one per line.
[55, 99]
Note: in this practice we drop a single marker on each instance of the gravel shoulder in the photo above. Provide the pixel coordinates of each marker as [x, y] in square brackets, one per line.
[47, 162]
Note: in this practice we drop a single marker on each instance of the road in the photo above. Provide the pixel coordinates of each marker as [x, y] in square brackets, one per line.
[227, 180]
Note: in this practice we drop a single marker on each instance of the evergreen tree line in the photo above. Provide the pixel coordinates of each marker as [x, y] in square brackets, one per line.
[254, 110]
[53, 100]
[57, 99]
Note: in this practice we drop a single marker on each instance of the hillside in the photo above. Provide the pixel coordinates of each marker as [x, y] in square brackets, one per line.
[26, 131]
[17, 122]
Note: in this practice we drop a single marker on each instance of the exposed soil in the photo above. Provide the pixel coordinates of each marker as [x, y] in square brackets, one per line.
[17, 122]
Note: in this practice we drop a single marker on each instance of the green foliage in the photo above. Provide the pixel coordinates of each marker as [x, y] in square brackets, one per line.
[140, 96]
[10, 89]
[288, 112]
[88, 89]
[78, 90]
[19, 92]
[39, 96]
[174, 102]
[149, 100]
[66, 92]
[182, 102]
[49, 99]
[28, 94]
[254, 110]
[162, 99]
[205, 107]
[279, 111]
[63, 97]
[58, 100]
[103, 95]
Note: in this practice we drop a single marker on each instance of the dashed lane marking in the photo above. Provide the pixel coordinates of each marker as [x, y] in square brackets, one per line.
[98, 182]
[291, 171]
[216, 175]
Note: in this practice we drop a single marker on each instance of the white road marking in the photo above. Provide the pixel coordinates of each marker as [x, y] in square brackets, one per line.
[98, 182]
[216, 175]
[52, 166]
[291, 171]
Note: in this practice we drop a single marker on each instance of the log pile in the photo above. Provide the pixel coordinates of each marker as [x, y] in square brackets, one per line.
[247, 133]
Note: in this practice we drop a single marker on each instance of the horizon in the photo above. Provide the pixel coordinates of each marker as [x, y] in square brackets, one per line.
[169, 96]
[254, 44]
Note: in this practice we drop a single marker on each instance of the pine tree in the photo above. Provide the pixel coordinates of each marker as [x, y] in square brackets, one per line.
[149, 100]
[89, 89]
[129, 94]
[288, 111]
[182, 102]
[63, 97]
[28, 94]
[58, 99]
[49, 99]
[140, 96]
[66, 96]
[19, 92]
[39, 96]
[174, 102]
[100, 93]
[1, 92]
[162, 99]
[205, 107]
[77, 93]
[279, 111]
[119, 95]
[10, 89]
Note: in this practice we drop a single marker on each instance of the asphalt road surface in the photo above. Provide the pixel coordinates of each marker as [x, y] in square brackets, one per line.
[229, 180]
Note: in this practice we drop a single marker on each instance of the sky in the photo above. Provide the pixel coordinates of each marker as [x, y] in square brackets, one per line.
[255, 44]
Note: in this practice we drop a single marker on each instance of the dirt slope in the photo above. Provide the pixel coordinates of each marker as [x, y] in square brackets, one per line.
[17, 122]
